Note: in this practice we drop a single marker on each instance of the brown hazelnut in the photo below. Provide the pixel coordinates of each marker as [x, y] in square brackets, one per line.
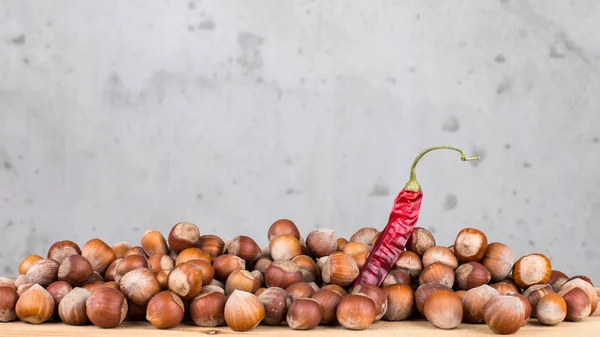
[182, 236]
[400, 299]
[185, 280]
[192, 254]
[21, 279]
[35, 306]
[8, 301]
[244, 247]
[473, 302]
[551, 309]
[208, 308]
[321, 242]
[282, 274]
[165, 310]
[340, 269]
[526, 306]
[109, 274]
[92, 286]
[336, 288]
[504, 314]
[341, 243]
[274, 300]
[163, 279]
[99, 254]
[96, 277]
[471, 275]
[139, 285]
[121, 248]
[6, 282]
[398, 276]
[582, 277]
[439, 254]
[58, 290]
[218, 283]
[365, 235]
[208, 272]
[361, 259]
[585, 286]
[578, 304]
[76, 270]
[242, 280]
[498, 259]
[27, 263]
[470, 245]
[211, 245]
[113, 285]
[137, 250]
[505, 288]
[531, 269]
[419, 241]
[23, 288]
[72, 307]
[536, 292]
[299, 290]
[62, 249]
[444, 309]
[158, 262]
[128, 264]
[304, 314]
[43, 272]
[153, 242]
[243, 311]
[284, 247]
[557, 279]
[437, 272]
[329, 301]
[410, 262]
[106, 307]
[355, 248]
[374, 293]
[424, 291]
[356, 311]
[283, 227]
[226, 264]
[262, 263]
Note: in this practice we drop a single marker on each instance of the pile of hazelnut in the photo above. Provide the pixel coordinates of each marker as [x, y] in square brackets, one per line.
[302, 283]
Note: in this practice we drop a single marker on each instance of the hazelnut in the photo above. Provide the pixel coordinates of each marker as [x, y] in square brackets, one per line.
[471, 275]
[398, 276]
[585, 286]
[424, 291]
[536, 292]
[531, 269]
[76, 270]
[165, 310]
[410, 262]
[58, 290]
[242, 280]
[8, 301]
[505, 288]
[43, 272]
[551, 309]
[321, 242]
[336, 288]
[437, 272]
[112, 284]
[526, 305]
[361, 259]
[218, 283]
[470, 245]
[158, 262]
[62, 249]
[274, 300]
[136, 312]
[27, 263]
[23, 288]
[153, 242]
[498, 259]
[283, 227]
[504, 314]
[356, 311]
[183, 235]
[419, 241]
[208, 272]
[582, 277]
[99, 254]
[106, 307]
[304, 314]
[35, 306]
[92, 286]
[130, 263]
[120, 248]
[400, 299]
[262, 263]
[259, 291]
[444, 309]
[226, 264]
[578, 304]
[329, 301]
[243, 311]
[245, 248]
[355, 248]
[139, 285]
[96, 277]
[72, 307]
[185, 280]
[137, 250]
[211, 245]
[473, 302]
[6, 282]
[21, 279]
[340, 269]
[282, 274]
[365, 235]
[374, 293]
[299, 290]
[284, 247]
[439, 254]
[557, 279]
[341, 243]
[109, 274]
[207, 309]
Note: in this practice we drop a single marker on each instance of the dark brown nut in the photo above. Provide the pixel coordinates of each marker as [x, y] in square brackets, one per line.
[226, 264]
[299, 290]
[284, 247]
[535, 293]
[397, 276]
[419, 241]
[99, 254]
[557, 279]
[43, 272]
[207, 309]
[440, 254]
[424, 291]
[365, 235]
[356, 312]
[321, 242]
[283, 227]
[470, 245]
[329, 300]
[139, 285]
[121, 248]
[153, 242]
[410, 262]
[340, 269]
[471, 275]
[578, 304]
[498, 259]
[35, 306]
[185, 280]
[401, 301]
[245, 248]
[211, 245]
[282, 274]
[551, 309]
[376, 294]
[8, 301]
[182, 236]
[437, 272]
[106, 307]
[473, 302]
[532, 269]
[62, 249]
[165, 310]
[158, 262]
[304, 314]
[262, 263]
[274, 300]
[72, 307]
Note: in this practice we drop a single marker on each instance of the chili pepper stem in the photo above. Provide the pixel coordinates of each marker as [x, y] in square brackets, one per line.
[412, 184]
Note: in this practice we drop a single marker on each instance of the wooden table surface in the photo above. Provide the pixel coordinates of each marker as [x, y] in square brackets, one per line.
[414, 328]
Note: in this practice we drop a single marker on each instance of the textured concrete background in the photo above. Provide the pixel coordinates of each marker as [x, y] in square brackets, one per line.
[120, 116]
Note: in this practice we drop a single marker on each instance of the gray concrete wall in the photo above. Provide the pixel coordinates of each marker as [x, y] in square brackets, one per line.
[124, 115]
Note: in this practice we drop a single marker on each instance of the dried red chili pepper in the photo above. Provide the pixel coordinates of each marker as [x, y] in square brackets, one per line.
[401, 224]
